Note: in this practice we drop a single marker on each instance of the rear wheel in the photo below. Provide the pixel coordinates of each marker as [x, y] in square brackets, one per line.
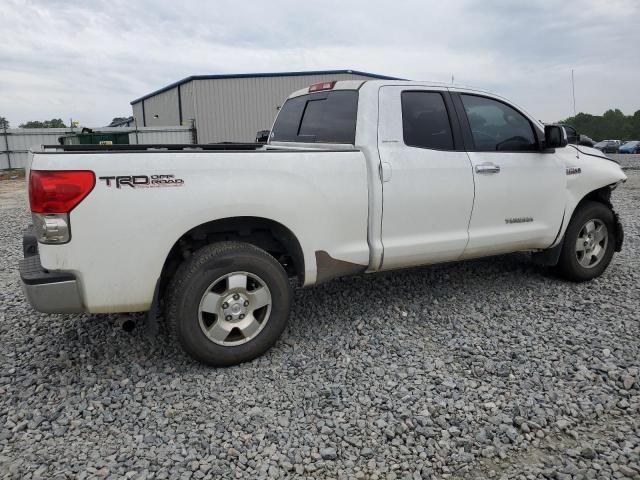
[228, 303]
[589, 243]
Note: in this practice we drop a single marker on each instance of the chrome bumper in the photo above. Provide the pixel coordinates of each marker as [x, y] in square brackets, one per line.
[48, 292]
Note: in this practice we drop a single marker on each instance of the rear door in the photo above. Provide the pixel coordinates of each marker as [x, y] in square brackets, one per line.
[520, 192]
[427, 177]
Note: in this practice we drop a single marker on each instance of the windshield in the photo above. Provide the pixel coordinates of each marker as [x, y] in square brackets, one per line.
[601, 144]
[323, 117]
[632, 143]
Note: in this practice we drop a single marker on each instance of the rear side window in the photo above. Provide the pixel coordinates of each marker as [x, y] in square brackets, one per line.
[324, 117]
[497, 127]
[425, 122]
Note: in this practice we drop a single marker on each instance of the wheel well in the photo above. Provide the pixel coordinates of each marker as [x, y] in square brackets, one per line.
[602, 195]
[269, 235]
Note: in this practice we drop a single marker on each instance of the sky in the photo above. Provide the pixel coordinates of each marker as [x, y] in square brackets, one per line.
[88, 60]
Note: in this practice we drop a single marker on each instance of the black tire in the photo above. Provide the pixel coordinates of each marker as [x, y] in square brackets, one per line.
[568, 266]
[194, 278]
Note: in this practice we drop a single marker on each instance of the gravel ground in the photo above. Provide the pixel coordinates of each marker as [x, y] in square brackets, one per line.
[628, 162]
[484, 369]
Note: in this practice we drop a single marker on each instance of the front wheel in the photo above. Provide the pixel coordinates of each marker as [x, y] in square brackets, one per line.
[589, 243]
[228, 303]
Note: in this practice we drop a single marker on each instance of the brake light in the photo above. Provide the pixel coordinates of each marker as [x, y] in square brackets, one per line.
[59, 191]
[318, 87]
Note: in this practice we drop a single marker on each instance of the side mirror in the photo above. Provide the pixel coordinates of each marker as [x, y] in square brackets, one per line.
[554, 136]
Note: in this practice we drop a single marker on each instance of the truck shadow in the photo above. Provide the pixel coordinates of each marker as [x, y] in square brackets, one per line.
[89, 342]
[415, 289]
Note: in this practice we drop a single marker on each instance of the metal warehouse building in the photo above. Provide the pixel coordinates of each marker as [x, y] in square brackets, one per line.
[229, 108]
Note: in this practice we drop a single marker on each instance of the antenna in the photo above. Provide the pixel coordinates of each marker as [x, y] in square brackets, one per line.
[573, 91]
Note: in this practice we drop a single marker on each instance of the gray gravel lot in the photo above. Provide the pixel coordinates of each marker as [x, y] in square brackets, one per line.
[484, 369]
[631, 162]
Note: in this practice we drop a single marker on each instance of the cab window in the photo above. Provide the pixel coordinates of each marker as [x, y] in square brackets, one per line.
[496, 127]
[425, 121]
[325, 117]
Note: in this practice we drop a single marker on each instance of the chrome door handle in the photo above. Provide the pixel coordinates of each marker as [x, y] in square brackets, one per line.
[488, 168]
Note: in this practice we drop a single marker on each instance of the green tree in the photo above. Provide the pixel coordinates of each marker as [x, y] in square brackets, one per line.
[118, 120]
[53, 123]
[613, 124]
[635, 125]
[4, 123]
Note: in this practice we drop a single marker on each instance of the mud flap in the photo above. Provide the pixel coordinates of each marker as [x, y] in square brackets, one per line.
[151, 324]
[549, 257]
[619, 232]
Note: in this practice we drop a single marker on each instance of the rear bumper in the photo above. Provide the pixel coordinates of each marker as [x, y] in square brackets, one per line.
[47, 292]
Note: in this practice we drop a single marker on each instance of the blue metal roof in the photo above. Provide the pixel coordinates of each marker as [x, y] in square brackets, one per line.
[258, 75]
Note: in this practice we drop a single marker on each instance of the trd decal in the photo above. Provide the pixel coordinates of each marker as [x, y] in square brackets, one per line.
[573, 170]
[143, 181]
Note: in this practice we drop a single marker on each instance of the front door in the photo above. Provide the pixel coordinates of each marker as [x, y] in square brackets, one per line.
[427, 178]
[520, 192]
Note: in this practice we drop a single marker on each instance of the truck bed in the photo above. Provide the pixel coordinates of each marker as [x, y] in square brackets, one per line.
[188, 147]
[146, 197]
[155, 147]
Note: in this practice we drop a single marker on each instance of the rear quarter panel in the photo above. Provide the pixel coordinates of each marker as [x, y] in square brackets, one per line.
[120, 237]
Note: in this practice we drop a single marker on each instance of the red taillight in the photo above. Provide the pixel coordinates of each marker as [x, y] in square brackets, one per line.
[58, 191]
[318, 87]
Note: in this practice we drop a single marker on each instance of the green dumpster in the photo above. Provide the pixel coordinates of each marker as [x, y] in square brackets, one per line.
[97, 138]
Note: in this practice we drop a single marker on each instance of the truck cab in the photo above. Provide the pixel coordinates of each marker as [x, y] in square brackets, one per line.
[455, 173]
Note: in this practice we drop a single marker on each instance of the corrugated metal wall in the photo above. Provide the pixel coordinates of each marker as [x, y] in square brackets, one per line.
[138, 114]
[21, 140]
[161, 110]
[188, 102]
[229, 109]
[161, 135]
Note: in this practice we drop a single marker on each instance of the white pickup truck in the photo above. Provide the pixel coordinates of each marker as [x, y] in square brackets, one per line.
[356, 177]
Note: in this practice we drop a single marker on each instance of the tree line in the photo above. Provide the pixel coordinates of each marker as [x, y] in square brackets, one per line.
[53, 123]
[612, 125]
